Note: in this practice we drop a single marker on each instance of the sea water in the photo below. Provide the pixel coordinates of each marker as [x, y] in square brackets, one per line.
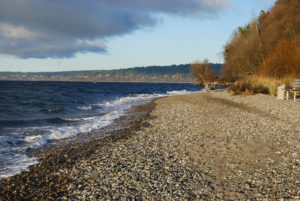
[32, 114]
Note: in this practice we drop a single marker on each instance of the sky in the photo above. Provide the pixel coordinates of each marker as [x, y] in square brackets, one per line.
[65, 35]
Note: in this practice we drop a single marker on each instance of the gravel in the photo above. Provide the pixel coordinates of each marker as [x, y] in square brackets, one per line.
[196, 147]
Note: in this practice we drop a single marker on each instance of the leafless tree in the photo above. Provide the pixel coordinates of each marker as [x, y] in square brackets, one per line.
[203, 72]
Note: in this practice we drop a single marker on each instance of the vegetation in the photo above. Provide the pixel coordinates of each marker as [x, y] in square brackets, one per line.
[266, 52]
[203, 72]
[259, 84]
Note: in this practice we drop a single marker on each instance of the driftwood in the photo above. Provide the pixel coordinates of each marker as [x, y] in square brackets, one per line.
[209, 86]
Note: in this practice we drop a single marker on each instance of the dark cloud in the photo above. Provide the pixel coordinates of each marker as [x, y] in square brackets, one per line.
[61, 28]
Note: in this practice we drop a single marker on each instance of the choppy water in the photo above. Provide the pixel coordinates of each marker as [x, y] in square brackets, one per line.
[32, 114]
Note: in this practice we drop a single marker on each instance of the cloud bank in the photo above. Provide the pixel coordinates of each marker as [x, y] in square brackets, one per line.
[62, 28]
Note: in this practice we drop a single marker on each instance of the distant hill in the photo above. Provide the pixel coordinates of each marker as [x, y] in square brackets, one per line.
[173, 73]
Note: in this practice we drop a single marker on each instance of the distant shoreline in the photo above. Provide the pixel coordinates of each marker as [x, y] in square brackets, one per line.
[179, 82]
[152, 74]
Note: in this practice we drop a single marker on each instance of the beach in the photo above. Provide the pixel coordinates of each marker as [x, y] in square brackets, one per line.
[200, 146]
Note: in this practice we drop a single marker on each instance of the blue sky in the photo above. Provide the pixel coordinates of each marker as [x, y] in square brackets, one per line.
[165, 37]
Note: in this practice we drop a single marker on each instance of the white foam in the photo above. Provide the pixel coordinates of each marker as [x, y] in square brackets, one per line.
[113, 110]
[88, 118]
[178, 92]
[35, 141]
[13, 160]
[17, 164]
[90, 125]
[70, 119]
[89, 107]
[34, 138]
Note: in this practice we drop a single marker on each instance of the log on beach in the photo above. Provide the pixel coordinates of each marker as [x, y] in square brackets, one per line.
[197, 146]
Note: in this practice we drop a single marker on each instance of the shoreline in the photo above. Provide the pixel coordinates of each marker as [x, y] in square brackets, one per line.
[162, 82]
[39, 181]
[198, 146]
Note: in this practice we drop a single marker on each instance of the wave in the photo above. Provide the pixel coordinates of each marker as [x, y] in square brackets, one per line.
[111, 109]
[13, 160]
[36, 122]
[88, 118]
[18, 164]
[55, 110]
[89, 107]
[131, 99]
[64, 120]
[34, 133]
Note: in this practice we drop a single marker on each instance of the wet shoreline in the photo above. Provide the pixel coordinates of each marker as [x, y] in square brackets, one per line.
[202, 146]
[44, 181]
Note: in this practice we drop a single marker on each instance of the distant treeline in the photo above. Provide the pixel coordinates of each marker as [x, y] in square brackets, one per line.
[173, 73]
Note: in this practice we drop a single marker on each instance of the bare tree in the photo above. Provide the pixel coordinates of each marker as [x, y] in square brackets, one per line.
[203, 72]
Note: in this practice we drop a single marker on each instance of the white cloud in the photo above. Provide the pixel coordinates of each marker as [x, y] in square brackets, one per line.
[9, 31]
[97, 44]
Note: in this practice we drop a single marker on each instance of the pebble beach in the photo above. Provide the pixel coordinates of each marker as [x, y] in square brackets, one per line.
[202, 146]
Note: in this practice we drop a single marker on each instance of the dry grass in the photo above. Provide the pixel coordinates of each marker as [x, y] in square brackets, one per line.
[259, 84]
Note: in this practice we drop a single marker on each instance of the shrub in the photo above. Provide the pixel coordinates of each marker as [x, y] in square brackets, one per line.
[259, 84]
